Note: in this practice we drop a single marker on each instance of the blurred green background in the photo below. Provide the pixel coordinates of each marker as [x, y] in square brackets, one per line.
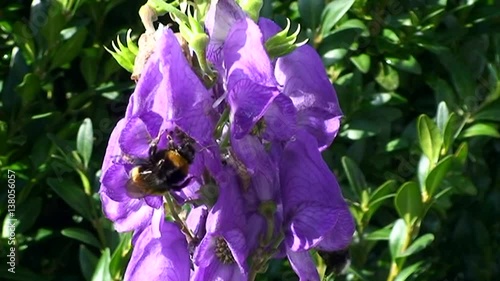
[417, 155]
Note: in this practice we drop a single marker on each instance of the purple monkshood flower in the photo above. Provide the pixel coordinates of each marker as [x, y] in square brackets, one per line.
[162, 258]
[222, 253]
[291, 92]
[316, 214]
[168, 95]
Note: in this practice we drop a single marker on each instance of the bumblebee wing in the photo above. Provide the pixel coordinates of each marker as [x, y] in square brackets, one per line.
[134, 190]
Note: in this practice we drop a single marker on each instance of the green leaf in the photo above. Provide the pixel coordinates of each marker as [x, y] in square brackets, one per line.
[461, 76]
[480, 129]
[121, 256]
[339, 39]
[451, 130]
[462, 184]
[461, 153]
[72, 195]
[418, 245]
[29, 88]
[390, 36]
[333, 56]
[24, 40]
[442, 116]
[362, 62]
[490, 112]
[442, 91]
[408, 202]
[310, 12]
[429, 137]
[88, 64]
[27, 213]
[408, 271]
[82, 235]
[387, 77]
[397, 238]
[51, 31]
[437, 174]
[332, 13]
[354, 175]
[85, 141]
[88, 262]
[396, 144]
[409, 64]
[101, 272]
[380, 194]
[70, 49]
[379, 234]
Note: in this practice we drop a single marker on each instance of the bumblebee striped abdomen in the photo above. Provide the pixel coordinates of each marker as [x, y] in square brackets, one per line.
[164, 170]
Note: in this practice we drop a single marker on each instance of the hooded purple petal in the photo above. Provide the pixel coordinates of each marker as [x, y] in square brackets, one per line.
[280, 119]
[148, 83]
[135, 138]
[304, 80]
[163, 258]
[113, 150]
[189, 102]
[312, 200]
[250, 81]
[340, 236]
[220, 17]
[303, 264]
[127, 215]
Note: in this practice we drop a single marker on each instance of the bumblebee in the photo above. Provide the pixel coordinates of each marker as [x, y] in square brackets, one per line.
[164, 170]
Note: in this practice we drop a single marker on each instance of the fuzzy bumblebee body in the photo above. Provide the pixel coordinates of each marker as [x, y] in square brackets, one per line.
[164, 170]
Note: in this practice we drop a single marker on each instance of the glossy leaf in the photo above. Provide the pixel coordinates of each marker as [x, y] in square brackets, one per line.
[82, 235]
[409, 64]
[442, 116]
[69, 49]
[418, 245]
[354, 175]
[491, 112]
[27, 213]
[480, 129]
[380, 234]
[88, 262]
[332, 13]
[72, 195]
[85, 141]
[452, 129]
[101, 272]
[430, 138]
[378, 197]
[310, 12]
[362, 62]
[387, 77]
[437, 174]
[397, 238]
[409, 271]
[121, 256]
[408, 202]
[461, 153]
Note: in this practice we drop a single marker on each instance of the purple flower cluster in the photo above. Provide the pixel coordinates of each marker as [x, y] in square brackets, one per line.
[260, 187]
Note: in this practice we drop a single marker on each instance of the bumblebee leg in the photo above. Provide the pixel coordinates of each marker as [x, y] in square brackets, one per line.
[183, 184]
[153, 147]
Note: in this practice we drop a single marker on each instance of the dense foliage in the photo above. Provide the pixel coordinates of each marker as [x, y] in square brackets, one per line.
[417, 154]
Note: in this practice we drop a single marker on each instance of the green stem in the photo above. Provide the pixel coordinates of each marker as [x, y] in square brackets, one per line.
[162, 8]
[177, 219]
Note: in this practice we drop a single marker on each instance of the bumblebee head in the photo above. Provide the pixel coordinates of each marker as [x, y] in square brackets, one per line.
[187, 151]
